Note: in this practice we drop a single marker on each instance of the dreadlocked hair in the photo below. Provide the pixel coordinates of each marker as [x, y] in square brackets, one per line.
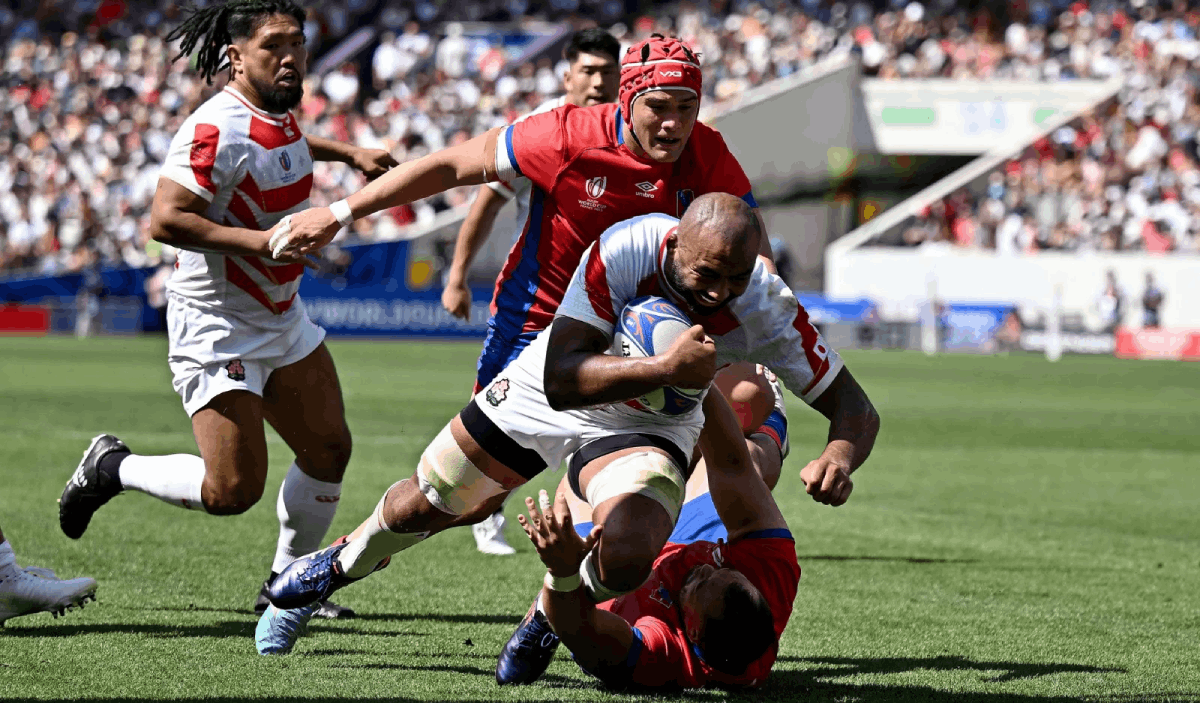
[208, 30]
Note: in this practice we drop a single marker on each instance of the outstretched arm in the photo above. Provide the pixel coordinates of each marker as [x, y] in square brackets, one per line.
[372, 162]
[853, 427]
[471, 236]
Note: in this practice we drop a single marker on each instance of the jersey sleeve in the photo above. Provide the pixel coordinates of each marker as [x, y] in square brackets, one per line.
[202, 160]
[506, 189]
[611, 269]
[787, 342]
[534, 147]
[724, 174]
[662, 659]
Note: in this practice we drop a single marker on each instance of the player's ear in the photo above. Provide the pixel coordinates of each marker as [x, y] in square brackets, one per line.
[233, 52]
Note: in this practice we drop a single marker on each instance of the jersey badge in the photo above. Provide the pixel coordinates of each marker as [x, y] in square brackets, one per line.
[683, 198]
[285, 160]
[595, 188]
[497, 393]
[236, 370]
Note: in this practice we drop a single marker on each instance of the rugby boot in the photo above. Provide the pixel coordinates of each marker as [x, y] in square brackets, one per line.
[528, 652]
[89, 487]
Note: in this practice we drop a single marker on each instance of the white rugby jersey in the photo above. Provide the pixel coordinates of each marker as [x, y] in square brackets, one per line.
[764, 325]
[253, 168]
[520, 186]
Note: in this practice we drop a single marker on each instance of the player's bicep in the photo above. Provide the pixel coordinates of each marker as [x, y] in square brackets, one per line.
[741, 498]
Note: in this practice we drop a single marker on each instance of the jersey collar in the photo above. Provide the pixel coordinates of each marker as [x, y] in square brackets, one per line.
[257, 110]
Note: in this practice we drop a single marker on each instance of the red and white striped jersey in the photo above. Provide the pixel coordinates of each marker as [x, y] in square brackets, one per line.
[765, 325]
[253, 167]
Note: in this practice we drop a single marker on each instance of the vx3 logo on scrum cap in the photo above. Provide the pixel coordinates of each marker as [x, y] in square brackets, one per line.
[671, 74]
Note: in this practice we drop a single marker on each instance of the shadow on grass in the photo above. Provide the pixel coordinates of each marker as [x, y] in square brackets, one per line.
[902, 560]
[463, 618]
[238, 628]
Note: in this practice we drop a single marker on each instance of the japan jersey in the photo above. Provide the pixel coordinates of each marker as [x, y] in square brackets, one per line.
[661, 654]
[253, 168]
[519, 188]
[584, 179]
[766, 324]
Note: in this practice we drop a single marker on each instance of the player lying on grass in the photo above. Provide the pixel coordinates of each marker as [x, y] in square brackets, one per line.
[30, 589]
[565, 396]
[727, 624]
[242, 347]
[713, 609]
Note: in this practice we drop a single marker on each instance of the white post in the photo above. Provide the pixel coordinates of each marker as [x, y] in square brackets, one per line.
[929, 327]
[1054, 325]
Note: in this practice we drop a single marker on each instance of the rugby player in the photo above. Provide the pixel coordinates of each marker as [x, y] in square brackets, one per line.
[565, 396]
[242, 348]
[593, 57]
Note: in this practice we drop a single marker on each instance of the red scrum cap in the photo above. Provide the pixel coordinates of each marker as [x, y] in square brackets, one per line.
[655, 64]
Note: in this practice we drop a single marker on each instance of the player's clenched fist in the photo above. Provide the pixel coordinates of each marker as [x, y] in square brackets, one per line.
[827, 481]
[692, 359]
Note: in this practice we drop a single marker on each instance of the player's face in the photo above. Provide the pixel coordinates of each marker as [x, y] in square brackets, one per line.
[274, 62]
[591, 80]
[703, 596]
[708, 277]
[663, 121]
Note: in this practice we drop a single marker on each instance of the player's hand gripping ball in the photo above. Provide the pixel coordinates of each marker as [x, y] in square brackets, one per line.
[647, 327]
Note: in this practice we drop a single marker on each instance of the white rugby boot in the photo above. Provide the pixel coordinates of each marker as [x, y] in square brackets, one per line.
[30, 591]
[489, 536]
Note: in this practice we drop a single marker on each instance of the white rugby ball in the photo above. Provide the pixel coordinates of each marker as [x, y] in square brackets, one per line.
[647, 327]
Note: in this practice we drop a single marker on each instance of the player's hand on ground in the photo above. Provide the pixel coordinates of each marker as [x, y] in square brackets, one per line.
[456, 298]
[561, 549]
[374, 162]
[827, 481]
[297, 236]
[692, 359]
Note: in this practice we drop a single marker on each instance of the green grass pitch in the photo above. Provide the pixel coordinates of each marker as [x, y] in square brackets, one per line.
[1025, 531]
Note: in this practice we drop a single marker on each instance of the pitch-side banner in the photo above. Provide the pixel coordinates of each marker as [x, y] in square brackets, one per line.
[384, 290]
[1159, 343]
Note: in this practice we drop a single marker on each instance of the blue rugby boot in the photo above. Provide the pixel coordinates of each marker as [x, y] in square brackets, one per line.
[528, 652]
[278, 630]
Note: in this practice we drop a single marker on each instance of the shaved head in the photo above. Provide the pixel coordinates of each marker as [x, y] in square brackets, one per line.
[719, 221]
[713, 252]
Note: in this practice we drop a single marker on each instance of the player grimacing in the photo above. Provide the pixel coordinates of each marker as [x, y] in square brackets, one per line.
[241, 346]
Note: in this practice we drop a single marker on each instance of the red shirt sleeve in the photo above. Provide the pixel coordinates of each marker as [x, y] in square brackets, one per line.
[537, 146]
[723, 173]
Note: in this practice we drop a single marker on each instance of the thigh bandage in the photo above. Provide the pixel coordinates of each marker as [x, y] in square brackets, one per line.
[649, 474]
[449, 480]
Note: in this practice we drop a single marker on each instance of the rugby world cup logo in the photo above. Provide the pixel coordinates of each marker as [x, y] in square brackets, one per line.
[285, 160]
[595, 186]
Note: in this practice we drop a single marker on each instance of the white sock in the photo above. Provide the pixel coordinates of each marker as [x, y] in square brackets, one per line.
[8, 561]
[175, 478]
[305, 508]
[376, 542]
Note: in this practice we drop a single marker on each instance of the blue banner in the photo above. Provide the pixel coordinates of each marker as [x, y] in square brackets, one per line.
[822, 310]
[969, 327]
[61, 291]
[384, 290]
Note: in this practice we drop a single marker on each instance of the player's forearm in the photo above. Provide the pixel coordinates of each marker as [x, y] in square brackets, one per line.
[474, 232]
[464, 165]
[329, 150]
[585, 379]
[852, 433]
[578, 623]
[194, 232]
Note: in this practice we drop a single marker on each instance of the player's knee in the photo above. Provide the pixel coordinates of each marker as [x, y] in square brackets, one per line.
[231, 497]
[327, 461]
[624, 567]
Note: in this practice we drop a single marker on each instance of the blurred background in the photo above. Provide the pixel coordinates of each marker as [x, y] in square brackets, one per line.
[982, 177]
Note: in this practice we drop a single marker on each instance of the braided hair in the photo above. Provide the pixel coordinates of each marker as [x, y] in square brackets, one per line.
[208, 30]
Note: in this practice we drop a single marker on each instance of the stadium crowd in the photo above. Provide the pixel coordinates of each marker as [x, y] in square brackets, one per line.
[91, 100]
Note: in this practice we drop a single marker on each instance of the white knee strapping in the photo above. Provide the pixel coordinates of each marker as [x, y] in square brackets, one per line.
[591, 581]
[449, 480]
[648, 474]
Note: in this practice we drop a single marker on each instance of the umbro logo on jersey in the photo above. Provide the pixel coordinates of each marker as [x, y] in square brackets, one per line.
[595, 186]
[646, 189]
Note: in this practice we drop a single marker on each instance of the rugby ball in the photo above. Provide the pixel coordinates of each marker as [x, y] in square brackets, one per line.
[647, 327]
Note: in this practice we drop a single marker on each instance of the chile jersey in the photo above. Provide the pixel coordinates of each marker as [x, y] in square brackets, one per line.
[661, 654]
[584, 180]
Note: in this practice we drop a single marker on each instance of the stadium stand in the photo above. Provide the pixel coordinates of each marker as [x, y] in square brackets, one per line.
[90, 103]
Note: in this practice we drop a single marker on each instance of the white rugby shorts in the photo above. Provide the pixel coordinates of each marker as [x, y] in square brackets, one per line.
[211, 353]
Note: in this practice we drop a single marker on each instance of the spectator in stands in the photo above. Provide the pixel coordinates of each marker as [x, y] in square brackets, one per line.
[1152, 300]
